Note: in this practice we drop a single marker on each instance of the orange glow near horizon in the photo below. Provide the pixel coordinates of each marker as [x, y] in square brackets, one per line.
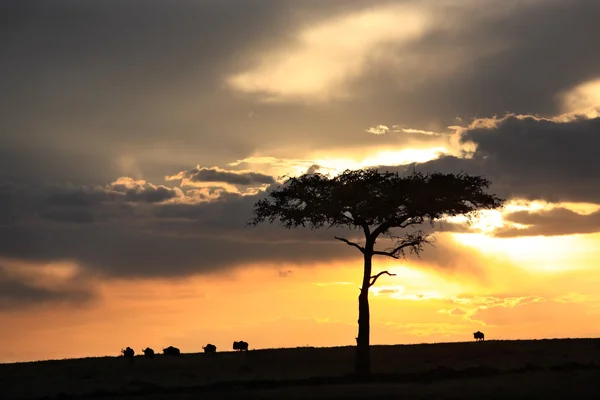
[510, 296]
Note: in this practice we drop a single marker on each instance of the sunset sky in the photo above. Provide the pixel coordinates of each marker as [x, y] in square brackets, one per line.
[137, 135]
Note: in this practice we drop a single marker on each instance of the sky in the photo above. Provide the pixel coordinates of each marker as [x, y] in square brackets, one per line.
[137, 135]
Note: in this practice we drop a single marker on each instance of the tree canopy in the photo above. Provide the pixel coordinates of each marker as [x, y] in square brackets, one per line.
[374, 201]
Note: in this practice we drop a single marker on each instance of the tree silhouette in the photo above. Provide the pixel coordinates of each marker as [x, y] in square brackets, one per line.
[376, 203]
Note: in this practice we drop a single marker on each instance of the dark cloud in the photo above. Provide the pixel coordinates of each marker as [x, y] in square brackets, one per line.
[126, 228]
[16, 294]
[151, 87]
[123, 190]
[124, 251]
[515, 54]
[531, 158]
[37, 164]
[203, 174]
[148, 238]
[116, 238]
[558, 221]
[80, 204]
[141, 192]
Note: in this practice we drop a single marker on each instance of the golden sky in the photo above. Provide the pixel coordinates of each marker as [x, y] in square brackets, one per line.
[133, 157]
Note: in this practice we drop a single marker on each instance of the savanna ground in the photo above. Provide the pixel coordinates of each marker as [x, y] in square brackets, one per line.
[557, 368]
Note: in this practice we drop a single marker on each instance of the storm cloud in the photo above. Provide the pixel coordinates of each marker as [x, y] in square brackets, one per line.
[104, 231]
[531, 158]
[134, 228]
[103, 100]
[558, 221]
[203, 174]
[151, 94]
[17, 291]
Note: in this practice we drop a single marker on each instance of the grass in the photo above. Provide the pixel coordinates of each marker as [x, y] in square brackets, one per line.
[491, 369]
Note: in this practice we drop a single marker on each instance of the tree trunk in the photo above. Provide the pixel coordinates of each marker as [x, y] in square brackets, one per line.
[363, 359]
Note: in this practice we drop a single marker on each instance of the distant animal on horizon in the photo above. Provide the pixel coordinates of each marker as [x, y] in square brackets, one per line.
[148, 352]
[479, 336]
[171, 351]
[128, 353]
[240, 346]
[209, 348]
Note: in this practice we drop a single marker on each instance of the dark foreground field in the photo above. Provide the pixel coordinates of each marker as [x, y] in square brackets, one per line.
[558, 368]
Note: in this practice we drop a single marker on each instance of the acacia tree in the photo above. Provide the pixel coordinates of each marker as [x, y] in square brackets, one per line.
[377, 203]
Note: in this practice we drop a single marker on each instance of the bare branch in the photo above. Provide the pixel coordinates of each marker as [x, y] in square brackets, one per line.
[414, 242]
[397, 252]
[374, 278]
[349, 243]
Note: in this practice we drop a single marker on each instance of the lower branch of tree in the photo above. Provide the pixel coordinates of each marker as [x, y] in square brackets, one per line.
[374, 278]
[349, 243]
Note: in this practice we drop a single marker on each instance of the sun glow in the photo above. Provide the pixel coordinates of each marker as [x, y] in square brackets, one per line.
[539, 253]
[582, 97]
[418, 284]
[333, 164]
[487, 221]
[382, 158]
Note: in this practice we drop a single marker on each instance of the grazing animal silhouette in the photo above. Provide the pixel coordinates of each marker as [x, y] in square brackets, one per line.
[171, 351]
[128, 353]
[479, 336]
[210, 348]
[240, 346]
[148, 352]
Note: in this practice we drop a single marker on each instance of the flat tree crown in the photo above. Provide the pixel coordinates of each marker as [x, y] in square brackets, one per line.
[371, 198]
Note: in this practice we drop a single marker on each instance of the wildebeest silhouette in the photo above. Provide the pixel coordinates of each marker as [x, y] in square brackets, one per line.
[209, 348]
[479, 336]
[128, 353]
[171, 351]
[148, 352]
[240, 346]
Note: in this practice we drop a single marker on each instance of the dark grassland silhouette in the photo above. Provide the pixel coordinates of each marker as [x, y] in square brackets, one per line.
[378, 204]
[496, 369]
